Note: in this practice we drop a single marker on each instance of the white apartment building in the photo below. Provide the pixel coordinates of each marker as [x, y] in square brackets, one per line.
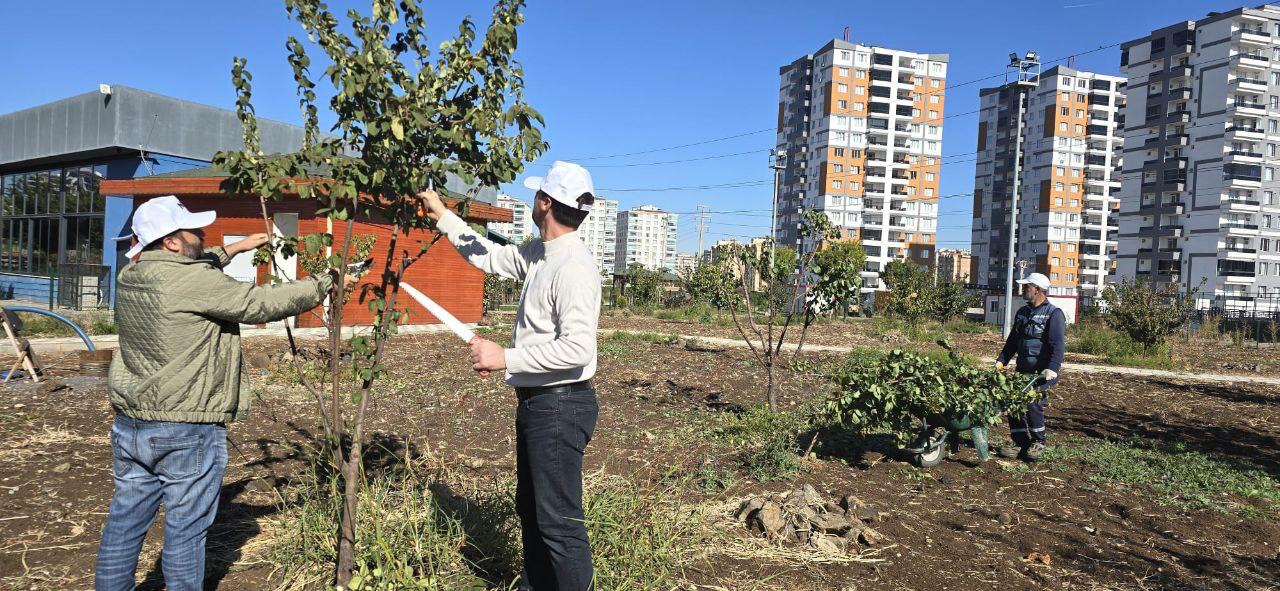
[521, 225]
[1069, 186]
[861, 129]
[600, 231]
[1199, 206]
[646, 235]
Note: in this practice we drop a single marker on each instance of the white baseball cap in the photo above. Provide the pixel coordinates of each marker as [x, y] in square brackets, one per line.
[565, 182]
[1036, 279]
[162, 216]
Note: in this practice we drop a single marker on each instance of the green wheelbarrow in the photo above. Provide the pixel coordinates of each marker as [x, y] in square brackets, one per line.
[939, 437]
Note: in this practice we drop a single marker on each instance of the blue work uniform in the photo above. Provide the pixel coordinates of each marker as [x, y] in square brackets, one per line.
[1038, 340]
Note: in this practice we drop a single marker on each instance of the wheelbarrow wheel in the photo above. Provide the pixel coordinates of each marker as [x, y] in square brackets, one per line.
[933, 456]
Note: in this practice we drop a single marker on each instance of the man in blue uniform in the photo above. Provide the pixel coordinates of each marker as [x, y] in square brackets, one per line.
[1038, 340]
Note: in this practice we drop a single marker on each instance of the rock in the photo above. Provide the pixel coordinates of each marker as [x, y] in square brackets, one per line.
[871, 537]
[258, 360]
[702, 346]
[474, 463]
[62, 468]
[851, 503]
[806, 513]
[808, 496]
[51, 386]
[869, 514]
[827, 544]
[748, 507]
[831, 507]
[768, 519]
[831, 523]
[1005, 518]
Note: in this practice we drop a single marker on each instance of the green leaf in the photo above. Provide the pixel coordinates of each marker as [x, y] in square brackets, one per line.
[397, 129]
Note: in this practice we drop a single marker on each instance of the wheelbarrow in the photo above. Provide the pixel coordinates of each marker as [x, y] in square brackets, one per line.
[939, 437]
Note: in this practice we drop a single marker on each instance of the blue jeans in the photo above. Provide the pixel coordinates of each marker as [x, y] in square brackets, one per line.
[552, 431]
[178, 464]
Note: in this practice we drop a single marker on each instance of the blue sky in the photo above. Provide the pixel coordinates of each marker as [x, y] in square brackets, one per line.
[610, 77]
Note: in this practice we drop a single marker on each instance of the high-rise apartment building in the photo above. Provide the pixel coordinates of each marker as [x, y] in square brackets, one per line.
[646, 235]
[1069, 183]
[1199, 206]
[599, 231]
[521, 225]
[861, 130]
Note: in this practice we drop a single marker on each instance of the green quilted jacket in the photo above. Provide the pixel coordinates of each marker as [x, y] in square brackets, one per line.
[179, 322]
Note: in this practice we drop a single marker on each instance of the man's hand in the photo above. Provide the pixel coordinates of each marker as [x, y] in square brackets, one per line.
[246, 244]
[487, 355]
[348, 281]
[1049, 375]
[431, 202]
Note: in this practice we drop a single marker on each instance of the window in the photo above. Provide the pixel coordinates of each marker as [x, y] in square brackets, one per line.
[935, 83]
[933, 98]
[1079, 128]
[860, 74]
[1062, 126]
[835, 184]
[1079, 98]
[858, 106]
[1066, 81]
[842, 87]
[933, 114]
[860, 90]
[1066, 111]
[839, 152]
[842, 104]
[1080, 113]
[843, 72]
[1268, 173]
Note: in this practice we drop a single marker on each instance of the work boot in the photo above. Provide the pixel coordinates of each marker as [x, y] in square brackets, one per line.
[1010, 451]
[1034, 451]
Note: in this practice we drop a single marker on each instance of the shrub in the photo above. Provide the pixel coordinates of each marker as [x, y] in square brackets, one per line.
[769, 441]
[1145, 314]
[890, 391]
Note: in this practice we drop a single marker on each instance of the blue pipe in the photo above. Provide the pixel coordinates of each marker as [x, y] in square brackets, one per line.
[56, 316]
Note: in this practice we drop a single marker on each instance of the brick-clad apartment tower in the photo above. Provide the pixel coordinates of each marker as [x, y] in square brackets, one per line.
[1071, 159]
[861, 130]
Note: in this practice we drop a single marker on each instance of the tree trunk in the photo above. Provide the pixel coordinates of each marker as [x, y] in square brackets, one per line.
[350, 504]
[773, 400]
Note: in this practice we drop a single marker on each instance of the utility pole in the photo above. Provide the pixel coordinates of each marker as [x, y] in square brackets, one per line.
[1023, 72]
[777, 161]
[702, 226]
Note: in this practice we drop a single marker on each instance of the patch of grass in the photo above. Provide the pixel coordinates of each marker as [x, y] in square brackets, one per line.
[1095, 338]
[768, 442]
[426, 529]
[618, 344]
[93, 323]
[1177, 475]
[967, 327]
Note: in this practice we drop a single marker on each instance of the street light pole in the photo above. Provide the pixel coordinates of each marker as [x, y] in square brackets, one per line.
[777, 161]
[1025, 72]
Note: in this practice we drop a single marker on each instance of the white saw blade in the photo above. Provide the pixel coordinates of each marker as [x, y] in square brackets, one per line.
[450, 321]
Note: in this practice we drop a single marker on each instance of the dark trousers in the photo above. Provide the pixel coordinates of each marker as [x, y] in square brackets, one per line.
[552, 430]
[1029, 427]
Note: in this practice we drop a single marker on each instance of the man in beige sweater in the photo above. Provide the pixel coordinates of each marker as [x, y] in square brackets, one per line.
[550, 363]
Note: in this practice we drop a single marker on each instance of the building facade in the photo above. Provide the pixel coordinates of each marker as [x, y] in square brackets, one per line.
[685, 263]
[521, 226]
[1069, 184]
[57, 229]
[861, 130]
[600, 232]
[1199, 206]
[954, 266]
[646, 235]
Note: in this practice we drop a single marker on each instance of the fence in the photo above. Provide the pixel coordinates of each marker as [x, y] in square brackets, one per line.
[1247, 315]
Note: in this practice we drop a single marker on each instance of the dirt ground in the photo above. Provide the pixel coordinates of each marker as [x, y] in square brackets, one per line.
[961, 525]
[1196, 353]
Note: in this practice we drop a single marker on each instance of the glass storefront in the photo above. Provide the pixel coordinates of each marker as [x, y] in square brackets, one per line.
[51, 218]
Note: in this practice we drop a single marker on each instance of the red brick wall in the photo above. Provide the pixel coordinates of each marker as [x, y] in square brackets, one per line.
[442, 274]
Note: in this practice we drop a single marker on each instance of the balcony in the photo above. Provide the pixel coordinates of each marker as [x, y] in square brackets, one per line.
[1096, 130]
[1249, 60]
[1242, 203]
[1239, 226]
[1183, 93]
[1179, 139]
[1249, 84]
[1244, 132]
[1255, 37]
[1249, 108]
[1183, 71]
[1240, 250]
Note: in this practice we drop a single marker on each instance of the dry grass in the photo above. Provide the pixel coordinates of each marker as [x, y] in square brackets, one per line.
[36, 444]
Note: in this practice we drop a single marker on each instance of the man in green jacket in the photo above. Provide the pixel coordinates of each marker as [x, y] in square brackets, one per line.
[176, 382]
